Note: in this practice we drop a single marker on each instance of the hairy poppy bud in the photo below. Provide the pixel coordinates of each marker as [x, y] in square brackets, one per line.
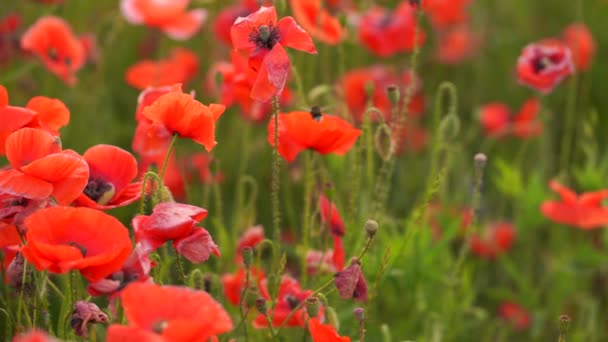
[359, 314]
[383, 141]
[564, 324]
[247, 256]
[449, 128]
[313, 304]
[392, 91]
[332, 317]
[371, 228]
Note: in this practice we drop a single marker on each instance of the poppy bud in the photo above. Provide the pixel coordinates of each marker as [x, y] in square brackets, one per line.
[383, 141]
[449, 128]
[252, 296]
[313, 304]
[332, 317]
[359, 314]
[260, 304]
[392, 91]
[369, 88]
[371, 227]
[85, 313]
[480, 160]
[564, 324]
[14, 272]
[165, 194]
[247, 253]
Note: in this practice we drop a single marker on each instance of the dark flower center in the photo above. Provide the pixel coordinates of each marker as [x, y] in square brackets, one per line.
[53, 54]
[265, 37]
[292, 301]
[160, 326]
[315, 112]
[99, 191]
[80, 247]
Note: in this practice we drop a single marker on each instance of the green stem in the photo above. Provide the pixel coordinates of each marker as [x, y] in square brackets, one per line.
[180, 267]
[166, 161]
[569, 126]
[275, 187]
[308, 184]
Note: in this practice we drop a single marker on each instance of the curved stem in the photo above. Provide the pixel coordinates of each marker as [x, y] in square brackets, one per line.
[166, 161]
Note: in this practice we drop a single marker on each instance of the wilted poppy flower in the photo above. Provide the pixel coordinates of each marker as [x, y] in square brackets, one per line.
[456, 44]
[135, 269]
[40, 112]
[181, 114]
[177, 222]
[584, 211]
[171, 17]
[581, 43]
[386, 32]
[496, 120]
[85, 313]
[324, 332]
[351, 283]
[40, 169]
[515, 314]
[543, 65]
[169, 313]
[496, 240]
[111, 170]
[234, 284]
[356, 86]
[446, 12]
[250, 238]
[52, 40]
[262, 37]
[323, 133]
[317, 20]
[60, 239]
[228, 15]
[290, 296]
[180, 67]
[331, 215]
[237, 80]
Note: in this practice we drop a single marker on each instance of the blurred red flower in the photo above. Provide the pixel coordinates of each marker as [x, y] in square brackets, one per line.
[515, 314]
[324, 332]
[250, 238]
[181, 114]
[177, 222]
[234, 284]
[51, 39]
[543, 65]
[228, 15]
[111, 170]
[179, 67]
[60, 239]
[9, 40]
[456, 44]
[169, 313]
[446, 12]
[35, 336]
[40, 169]
[329, 261]
[584, 211]
[40, 112]
[197, 167]
[318, 21]
[365, 85]
[262, 38]
[331, 215]
[171, 17]
[386, 33]
[323, 133]
[496, 239]
[496, 120]
[580, 41]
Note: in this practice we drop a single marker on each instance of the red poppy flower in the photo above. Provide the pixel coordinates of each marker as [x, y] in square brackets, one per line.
[329, 213]
[181, 114]
[496, 120]
[515, 314]
[584, 211]
[456, 44]
[52, 40]
[40, 169]
[250, 238]
[386, 33]
[329, 261]
[323, 133]
[356, 84]
[324, 332]
[135, 269]
[169, 313]
[111, 170]
[580, 41]
[234, 284]
[177, 222]
[446, 12]
[179, 67]
[351, 283]
[228, 15]
[41, 112]
[197, 167]
[171, 17]
[290, 296]
[262, 37]
[9, 42]
[543, 65]
[497, 239]
[237, 81]
[60, 239]
[317, 20]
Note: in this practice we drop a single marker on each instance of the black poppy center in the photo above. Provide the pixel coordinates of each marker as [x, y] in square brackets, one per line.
[96, 188]
[292, 301]
[265, 37]
[540, 63]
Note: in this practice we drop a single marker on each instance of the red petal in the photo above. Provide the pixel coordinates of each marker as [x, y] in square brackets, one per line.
[568, 196]
[244, 26]
[112, 165]
[272, 74]
[18, 184]
[186, 25]
[29, 144]
[197, 247]
[121, 333]
[293, 36]
[51, 114]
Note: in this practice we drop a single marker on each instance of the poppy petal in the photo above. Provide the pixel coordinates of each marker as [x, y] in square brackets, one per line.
[29, 144]
[111, 164]
[18, 184]
[567, 195]
[293, 36]
[197, 247]
[243, 26]
[272, 75]
[186, 25]
[52, 114]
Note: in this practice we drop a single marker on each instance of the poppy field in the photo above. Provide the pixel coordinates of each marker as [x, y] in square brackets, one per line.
[303, 170]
